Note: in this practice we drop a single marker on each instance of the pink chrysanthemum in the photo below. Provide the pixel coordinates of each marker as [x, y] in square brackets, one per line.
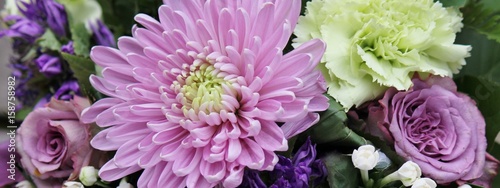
[196, 97]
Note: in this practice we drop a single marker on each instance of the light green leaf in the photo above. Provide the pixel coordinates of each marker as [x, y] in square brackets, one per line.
[341, 171]
[49, 40]
[82, 68]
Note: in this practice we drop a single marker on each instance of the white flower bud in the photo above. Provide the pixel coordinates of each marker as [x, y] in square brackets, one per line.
[24, 184]
[424, 183]
[464, 186]
[365, 157]
[409, 172]
[72, 184]
[88, 175]
[124, 184]
[11, 6]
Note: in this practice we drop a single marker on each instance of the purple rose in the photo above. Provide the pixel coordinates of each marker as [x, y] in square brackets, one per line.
[49, 65]
[53, 143]
[434, 126]
[490, 171]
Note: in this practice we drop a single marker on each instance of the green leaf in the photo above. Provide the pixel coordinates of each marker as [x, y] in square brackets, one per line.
[484, 17]
[484, 60]
[81, 39]
[454, 3]
[331, 128]
[82, 68]
[341, 171]
[49, 40]
[487, 96]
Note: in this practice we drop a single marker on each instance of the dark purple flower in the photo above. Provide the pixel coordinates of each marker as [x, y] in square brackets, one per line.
[306, 154]
[33, 11]
[302, 168]
[56, 16]
[22, 74]
[281, 183]
[67, 90]
[102, 35]
[68, 48]
[23, 28]
[251, 179]
[47, 12]
[49, 65]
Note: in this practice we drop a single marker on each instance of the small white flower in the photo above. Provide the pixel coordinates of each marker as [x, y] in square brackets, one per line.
[11, 8]
[424, 183]
[409, 173]
[365, 157]
[124, 184]
[72, 184]
[88, 175]
[24, 184]
[464, 186]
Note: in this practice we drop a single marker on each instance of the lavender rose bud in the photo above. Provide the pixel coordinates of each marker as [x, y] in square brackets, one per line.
[53, 143]
[434, 126]
[49, 65]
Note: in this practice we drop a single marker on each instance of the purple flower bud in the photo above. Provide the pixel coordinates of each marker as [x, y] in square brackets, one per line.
[67, 90]
[281, 183]
[48, 13]
[23, 74]
[102, 35]
[301, 169]
[305, 155]
[68, 48]
[251, 179]
[23, 28]
[56, 16]
[49, 65]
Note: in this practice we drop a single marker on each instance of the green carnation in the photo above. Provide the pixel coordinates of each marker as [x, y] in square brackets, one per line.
[376, 44]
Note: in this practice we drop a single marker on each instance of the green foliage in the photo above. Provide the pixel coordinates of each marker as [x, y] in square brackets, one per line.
[341, 171]
[331, 128]
[84, 67]
[487, 95]
[484, 17]
[454, 3]
[480, 79]
[49, 40]
[81, 39]
[119, 14]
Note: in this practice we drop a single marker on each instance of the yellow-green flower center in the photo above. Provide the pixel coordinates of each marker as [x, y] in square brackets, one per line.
[200, 88]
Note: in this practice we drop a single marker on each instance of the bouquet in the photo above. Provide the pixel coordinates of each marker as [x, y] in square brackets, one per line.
[260, 93]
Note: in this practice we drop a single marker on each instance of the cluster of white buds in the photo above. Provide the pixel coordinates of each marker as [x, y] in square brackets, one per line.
[366, 157]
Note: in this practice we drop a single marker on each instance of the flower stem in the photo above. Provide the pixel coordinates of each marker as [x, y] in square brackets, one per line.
[388, 179]
[366, 179]
[101, 184]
